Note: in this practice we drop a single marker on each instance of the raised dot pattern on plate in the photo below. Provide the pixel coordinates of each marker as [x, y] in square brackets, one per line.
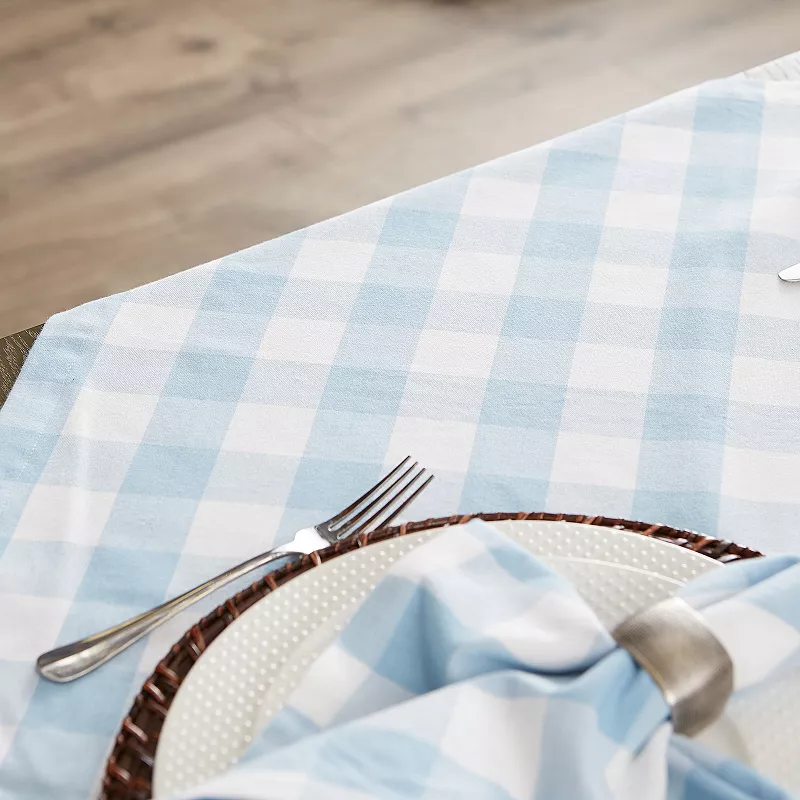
[249, 670]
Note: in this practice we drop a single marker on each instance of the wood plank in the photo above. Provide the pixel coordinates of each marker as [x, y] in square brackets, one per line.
[140, 138]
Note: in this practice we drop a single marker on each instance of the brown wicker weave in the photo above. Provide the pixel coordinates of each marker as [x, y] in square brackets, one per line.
[130, 766]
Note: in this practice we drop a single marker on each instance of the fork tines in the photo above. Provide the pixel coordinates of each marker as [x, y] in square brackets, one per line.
[377, 507]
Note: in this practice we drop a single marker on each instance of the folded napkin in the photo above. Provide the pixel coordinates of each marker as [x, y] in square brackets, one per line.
[474, 670]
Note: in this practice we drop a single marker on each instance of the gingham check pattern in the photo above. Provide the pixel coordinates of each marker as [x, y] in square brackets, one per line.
[592, 325]
[473, 670]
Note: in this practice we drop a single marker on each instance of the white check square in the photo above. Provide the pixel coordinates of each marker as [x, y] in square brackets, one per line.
[493, 197]
[479, 738]
[763, 296]
[775, 215]
[479, 273]
[620, 369]
[624, 285]
[328, 260]
[310, 341]
[595, 460]
[6, 737]
[761, 476]
[643, 211]
[279, 430]
[762, 381]
[437, 444]
[781, 153]
[149, 327]
[110, 416]
[65, 513]
[232, 530]
[655, 143]
[30, 625]
[454, 353]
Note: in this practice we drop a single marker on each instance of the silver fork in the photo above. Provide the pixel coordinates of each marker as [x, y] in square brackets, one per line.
[376, 507]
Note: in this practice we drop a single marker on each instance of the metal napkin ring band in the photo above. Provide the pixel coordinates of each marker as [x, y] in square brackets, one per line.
[673, 643]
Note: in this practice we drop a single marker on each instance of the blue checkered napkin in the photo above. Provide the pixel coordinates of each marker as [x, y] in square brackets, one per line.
[473, 670]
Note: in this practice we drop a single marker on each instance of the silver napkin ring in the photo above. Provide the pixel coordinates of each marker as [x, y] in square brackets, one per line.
[673, 643]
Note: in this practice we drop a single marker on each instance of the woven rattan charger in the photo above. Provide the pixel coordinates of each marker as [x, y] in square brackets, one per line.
[130, 767]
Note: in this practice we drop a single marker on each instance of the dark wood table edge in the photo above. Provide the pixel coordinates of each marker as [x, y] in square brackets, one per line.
[14, 350]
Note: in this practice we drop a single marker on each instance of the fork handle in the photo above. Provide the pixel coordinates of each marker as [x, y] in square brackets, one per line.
[74, 660]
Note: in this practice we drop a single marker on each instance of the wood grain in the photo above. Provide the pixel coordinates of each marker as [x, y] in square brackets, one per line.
[138, 138]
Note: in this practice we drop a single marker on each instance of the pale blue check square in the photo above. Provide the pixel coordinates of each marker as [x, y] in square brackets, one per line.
[728, 114]
[76, 704]
[154, 522]
[15, 448]
[394, 305]
[370, 433]
[368, 390]
[716, 149]
[504, 450]
[414, 228]
[689, 510]
[543, 319]
[690, 371]
[579, 169]
[316, 299]
[713, 249]
[511, 402]
[685, 417]
[550, 279]
[566, 204]
[330, 484]
[706, 289]
[408, 266]
[188, 422]
[208, 376]
[573, 243]
[697, 329]
[718, 182]
[135, 578]
[226, 332]
[548, 361]
[169, 471]
[239, 292]
[688, 466]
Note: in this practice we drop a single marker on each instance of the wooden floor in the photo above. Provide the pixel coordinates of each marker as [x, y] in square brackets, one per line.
[141, 137]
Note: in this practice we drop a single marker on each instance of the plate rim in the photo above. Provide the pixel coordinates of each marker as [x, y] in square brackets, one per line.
[129, 768]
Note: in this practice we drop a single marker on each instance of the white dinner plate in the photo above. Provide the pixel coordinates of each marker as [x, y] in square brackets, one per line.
[246, 673]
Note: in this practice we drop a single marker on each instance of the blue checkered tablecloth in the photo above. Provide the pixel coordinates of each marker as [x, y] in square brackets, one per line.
[592, 325]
